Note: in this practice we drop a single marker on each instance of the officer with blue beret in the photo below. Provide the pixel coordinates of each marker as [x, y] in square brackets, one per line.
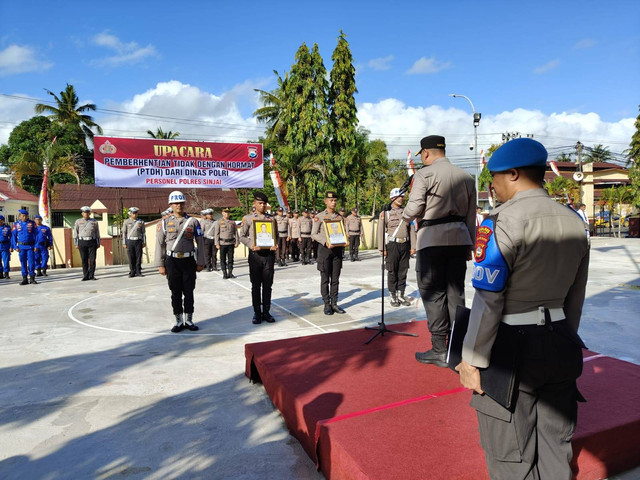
[530, 274]
[24, 241]
[5, 248]
[44, 243]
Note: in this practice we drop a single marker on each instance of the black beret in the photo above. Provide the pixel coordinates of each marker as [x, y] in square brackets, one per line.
[260, 196]
[432, 141]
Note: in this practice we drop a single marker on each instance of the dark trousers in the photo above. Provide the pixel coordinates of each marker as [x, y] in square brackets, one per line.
[294, 249]
[27, 261]
[134, 252]
[181, 275]
[226, 256]
[354, 245]
[306, 249]
[314, 249]
[397, 263]
[534, 442]
[261, 268]
[210, 253]
[87, 249]
[440, 272]
[329, 265]
[41, 256]
[282, 247]
[5, 257]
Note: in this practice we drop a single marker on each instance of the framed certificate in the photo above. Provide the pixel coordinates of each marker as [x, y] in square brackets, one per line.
[263, 236]
[334, 231]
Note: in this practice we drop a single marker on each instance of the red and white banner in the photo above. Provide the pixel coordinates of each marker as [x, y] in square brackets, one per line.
[130, 162]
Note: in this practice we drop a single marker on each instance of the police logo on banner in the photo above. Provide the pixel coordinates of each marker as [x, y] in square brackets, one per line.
[252, 152]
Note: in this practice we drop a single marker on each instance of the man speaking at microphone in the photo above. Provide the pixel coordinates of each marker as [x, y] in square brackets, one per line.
[443, 202]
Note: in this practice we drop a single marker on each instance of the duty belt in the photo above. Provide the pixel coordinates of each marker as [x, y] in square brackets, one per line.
[534, 317]
[354, 231]
[306, 233]
[26, 243]
[397, 240]
[5, 241]
[86, 238]
[228, 239]
[134, 238]
[283, 231]
[181, 254]
[439, 221]
[210, 238]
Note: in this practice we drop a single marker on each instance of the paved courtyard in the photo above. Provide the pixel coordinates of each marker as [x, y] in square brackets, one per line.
[93, 385]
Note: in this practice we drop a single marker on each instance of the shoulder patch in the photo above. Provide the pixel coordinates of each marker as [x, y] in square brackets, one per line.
[316, 219]
[490, 271]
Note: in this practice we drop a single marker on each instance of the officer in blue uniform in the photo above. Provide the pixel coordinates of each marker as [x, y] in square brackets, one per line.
[5, 248]
[23, 239]
[44, 243]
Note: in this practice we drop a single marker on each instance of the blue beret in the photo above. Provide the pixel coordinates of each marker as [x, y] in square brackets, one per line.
[516, 153]
[37, 216]
[1, 217]
[23, 211]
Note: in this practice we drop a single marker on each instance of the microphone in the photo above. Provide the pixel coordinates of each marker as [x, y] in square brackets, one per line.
[406, 184]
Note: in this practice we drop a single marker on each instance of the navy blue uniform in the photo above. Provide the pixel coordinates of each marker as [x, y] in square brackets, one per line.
[24, 240]
[5, 248]
[44, 240]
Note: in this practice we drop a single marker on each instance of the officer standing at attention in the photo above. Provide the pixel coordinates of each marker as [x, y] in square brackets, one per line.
[400, 240]
[314, 244]
[531, 266]
[353, 226]
[443, 201]
[210, 250]
[283, 236]
[306, 224]
[179, 259]
[227, 239]
[329, 258]
[5, 248]
[44, 243]
[134, 239]
[295, 237]
[261, 260]
[86, 236]
[23, 239]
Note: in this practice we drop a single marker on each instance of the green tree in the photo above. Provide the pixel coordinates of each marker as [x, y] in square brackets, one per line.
[67, 112]
[272, 111]
[633, 154]
[343, 113]
[564, 157]
[160, 134]
[563, 187]
[597, 153]
[616, 198]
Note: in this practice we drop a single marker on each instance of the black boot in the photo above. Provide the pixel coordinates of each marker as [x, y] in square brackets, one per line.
[225, 275]
[257, 318]
[44, 272]
[335, 307]
[188, 322]
[39, 272]
[1, 274]
[25, 281]
[394, 299]
[179, 324]
[32, 280]
[231, 275]
[327, 307]
[403, 300]
[438, 353]
[266, 316]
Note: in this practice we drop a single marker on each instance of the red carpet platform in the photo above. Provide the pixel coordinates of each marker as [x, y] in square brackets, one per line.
[373, 412]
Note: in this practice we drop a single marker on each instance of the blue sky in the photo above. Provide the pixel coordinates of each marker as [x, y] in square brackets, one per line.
[563, 70]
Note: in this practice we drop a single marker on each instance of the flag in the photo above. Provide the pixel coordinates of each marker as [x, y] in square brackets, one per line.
[271, 159]
[43, 201]
[484, 162]
[410, 167]
[554, 167]
[277, 184]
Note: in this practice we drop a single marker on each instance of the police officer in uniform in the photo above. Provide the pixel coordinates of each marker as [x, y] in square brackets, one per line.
[314, 244]
[5, 248]
[210, 250]
[329, 257]
[295, 237]
[24, 241]
[531, 266]
[44, 243]
[443, 201]
[134, 239]
[353, 224]
[227, 239]
[306, 224]
[86, 236]
[400, 241]
[261, 260]
[283, 236]
[179, 259]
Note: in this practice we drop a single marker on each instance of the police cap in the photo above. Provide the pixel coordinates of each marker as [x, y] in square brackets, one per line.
[331, 194]
[85, 209]
[432, 141]
[280, 209]
[260, 196]
[1, 217]
[22, 211]
[517, 153]
[37, 216]
[226, 210]
[134, 209]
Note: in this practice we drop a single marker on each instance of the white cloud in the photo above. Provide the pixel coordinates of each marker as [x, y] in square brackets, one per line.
[426, 65]
[381, 63]
[585, 43]
[546, 67]
[21, 59]
[14, 111]
[126, 53]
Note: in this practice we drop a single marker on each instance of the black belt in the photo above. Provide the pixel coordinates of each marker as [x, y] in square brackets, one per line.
[6, 241]
[228, 239]
[283, 232]
[306, 233]
[25, 243]
[440, 221]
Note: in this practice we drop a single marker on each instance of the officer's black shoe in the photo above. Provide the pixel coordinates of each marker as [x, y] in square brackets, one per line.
[32, 280]
[93, 278]
[266, 316]
[210, 269]
[1, 274]
[139, 274]
[177, 328]
[39, 272]
[403, 300]
[131, 275]
[231, 275]
[327, 308]
[437, 359]
[336, 308]
[25, 281]
[394, 300]
[84, 279]
[188, 322]
[6, 275]
[44, 272]
[257, 319]
[225, 275]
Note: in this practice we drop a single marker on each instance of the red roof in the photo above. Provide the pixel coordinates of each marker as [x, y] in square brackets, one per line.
[15, 193]
[69, 196]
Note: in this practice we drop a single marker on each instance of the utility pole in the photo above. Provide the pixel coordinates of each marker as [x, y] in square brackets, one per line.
[579, 160]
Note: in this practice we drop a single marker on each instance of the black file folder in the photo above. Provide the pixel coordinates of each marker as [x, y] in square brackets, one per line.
[498, 380]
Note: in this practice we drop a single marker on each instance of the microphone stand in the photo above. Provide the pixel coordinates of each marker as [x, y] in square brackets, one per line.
[381, 329]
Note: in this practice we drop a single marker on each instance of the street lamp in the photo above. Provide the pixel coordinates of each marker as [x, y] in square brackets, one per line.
[476, 122]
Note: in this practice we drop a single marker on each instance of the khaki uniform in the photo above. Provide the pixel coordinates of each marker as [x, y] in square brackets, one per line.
[353, 227]
[86, 236]
[210, 250]
[544, 251]
[443, 202]
[295, 238]
[329, 259]
[226, 237]
[134, 237]
[306, 224]
[399, 239]
[283, 237]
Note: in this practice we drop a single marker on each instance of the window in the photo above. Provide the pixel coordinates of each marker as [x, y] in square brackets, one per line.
[12, 218]
[57, 219]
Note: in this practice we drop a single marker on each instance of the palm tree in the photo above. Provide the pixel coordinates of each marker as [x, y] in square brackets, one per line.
[599, 153]
[271, 113]
[67, 111]
[615, 198]
[160, 134]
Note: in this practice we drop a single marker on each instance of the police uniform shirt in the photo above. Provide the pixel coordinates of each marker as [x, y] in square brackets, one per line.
[5, 236]
[84, 229]
[24, 234]
[294, 228]
[208, 227]
[168, 231]
[283, 225]
[543, 261]
[353, 225]
[306, 224]
[318, 230]
[394, 221]
[246, 230]
[133, 230]
[225, 232]
[441, 190]
[44, 236]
